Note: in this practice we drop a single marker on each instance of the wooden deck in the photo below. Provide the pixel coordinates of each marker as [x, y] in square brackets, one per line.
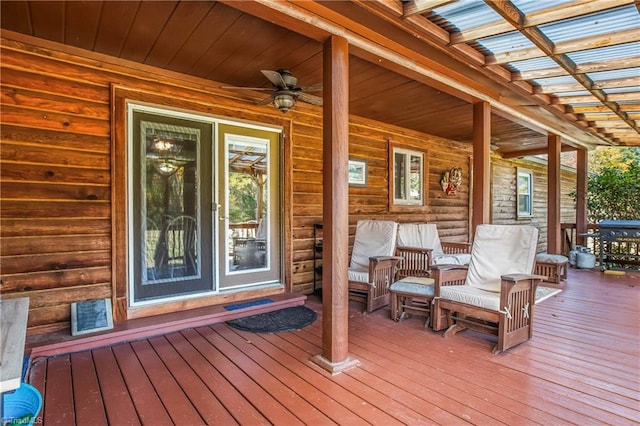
[582, 367]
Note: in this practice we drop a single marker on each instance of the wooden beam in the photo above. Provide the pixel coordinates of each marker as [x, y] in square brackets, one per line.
[554, 240]
[335, 254]
[581, 194]
[535, 151]
[417, 7]
[585, 43]
[612, 65]
[481, 164]
[604, 84]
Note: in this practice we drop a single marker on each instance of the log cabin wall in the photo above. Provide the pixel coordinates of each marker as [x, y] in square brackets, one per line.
[503, 185]
[56, 163]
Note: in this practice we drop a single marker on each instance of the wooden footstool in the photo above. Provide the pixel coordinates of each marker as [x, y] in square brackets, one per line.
[411, 295]
[553, 266]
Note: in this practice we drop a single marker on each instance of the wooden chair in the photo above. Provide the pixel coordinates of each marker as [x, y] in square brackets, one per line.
[181, 239]
[496, 292]
[373, 266]
[420, 247]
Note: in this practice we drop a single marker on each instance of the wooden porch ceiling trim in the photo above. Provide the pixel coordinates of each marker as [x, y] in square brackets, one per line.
[394, 56]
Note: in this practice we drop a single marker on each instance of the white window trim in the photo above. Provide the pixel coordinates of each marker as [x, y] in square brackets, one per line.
[408, 153]
[521, 211]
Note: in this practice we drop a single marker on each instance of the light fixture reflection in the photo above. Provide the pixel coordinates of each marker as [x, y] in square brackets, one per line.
[166, 168]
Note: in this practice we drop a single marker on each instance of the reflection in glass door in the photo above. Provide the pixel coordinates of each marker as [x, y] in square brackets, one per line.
[170, 158]
[249, 200]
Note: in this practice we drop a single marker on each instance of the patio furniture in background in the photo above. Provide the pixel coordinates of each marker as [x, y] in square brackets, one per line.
[496, 293]
[420, 247]
[372, 267]
[552, 266]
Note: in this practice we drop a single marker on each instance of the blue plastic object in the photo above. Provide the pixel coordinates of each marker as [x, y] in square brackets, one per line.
[22, 406]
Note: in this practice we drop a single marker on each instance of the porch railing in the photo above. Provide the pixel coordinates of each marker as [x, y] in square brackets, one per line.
[570, 237]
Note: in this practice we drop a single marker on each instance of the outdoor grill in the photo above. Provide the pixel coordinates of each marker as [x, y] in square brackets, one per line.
[619, 242]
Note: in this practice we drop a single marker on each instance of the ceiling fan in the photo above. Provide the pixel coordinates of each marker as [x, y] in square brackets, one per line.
[285, 92]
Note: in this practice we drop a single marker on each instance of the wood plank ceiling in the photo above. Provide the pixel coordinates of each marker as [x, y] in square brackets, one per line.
[218, 41]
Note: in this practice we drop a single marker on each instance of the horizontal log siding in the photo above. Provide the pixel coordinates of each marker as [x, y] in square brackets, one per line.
[503, 181]
[56, 222]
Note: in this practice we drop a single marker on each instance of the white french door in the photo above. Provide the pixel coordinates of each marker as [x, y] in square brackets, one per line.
[204, 204]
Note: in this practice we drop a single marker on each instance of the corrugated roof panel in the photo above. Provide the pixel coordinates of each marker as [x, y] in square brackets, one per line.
[565, 79]
[624, 90]
[584, 92]
[623, 18]
[534, 64]
[505, 42]
[468, 14]
[608, 53]
[614, 74]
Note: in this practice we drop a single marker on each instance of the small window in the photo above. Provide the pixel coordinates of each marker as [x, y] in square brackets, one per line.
[525, 193]
[408, 177]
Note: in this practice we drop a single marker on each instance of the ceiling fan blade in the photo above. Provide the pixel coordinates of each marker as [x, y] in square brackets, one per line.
[313, 88]
[247, 88]
[275, 78]
[266, 100]
[310, 99]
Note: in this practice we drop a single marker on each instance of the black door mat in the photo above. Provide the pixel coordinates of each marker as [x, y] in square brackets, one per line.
[286, 319]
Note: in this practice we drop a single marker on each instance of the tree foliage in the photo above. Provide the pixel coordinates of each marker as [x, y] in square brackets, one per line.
[614, 184]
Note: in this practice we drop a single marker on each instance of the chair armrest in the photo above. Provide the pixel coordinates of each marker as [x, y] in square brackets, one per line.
[515, 283]
[522, 277]
[454, 247]
[447, 275]
[382, 270]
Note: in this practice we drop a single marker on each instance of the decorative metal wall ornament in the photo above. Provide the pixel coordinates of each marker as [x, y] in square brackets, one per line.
[451, 180]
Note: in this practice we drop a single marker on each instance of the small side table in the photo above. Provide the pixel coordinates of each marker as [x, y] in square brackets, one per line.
[411, 295]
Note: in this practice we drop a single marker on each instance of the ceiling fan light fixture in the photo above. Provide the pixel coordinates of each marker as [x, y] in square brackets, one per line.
[284, 101]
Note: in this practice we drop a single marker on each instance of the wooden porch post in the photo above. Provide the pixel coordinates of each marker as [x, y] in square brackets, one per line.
[335, 253]
[481, 164]
[554, 242]
[582, 168]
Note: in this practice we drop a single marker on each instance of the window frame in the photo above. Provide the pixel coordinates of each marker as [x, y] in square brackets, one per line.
[521, 207]
[400, 204]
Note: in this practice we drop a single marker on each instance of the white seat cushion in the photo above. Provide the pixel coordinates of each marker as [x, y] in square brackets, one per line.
[359, 275]
[423, 235]
[452, 259]
[551, 258]
[373, 238]
[471, 296]
[501, 250]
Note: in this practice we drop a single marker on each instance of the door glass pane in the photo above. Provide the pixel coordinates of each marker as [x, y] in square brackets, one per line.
[171, 239]
[400, 186]
[247, 224]
[415, 178]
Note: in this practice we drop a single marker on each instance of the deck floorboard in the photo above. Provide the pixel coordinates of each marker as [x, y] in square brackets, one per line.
[581, 367]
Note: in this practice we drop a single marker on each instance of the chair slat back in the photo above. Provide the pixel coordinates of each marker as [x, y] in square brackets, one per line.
[422, 235]
[373, 238]
[501, 250]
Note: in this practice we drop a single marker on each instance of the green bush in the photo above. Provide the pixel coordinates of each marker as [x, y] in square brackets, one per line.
[614, 184]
